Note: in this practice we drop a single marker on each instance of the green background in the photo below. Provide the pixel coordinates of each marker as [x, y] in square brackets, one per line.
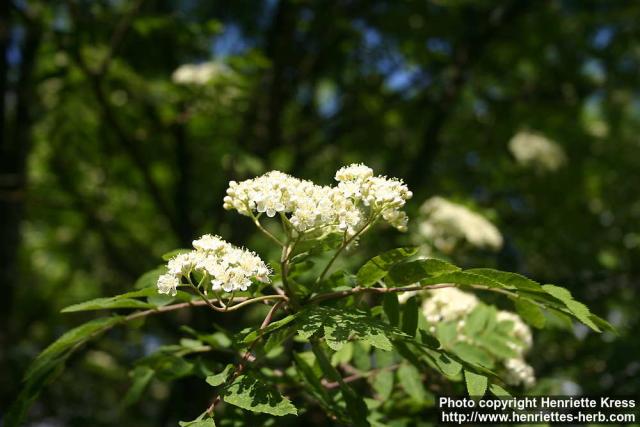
[106, 163]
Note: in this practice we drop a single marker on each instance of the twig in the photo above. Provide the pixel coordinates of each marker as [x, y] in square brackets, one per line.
[359, 289]
[356, 376]
[345, 243]
[265, 231]
[247, 355]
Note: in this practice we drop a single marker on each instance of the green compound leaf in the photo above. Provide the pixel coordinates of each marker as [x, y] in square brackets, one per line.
[410, 379]
[141, 377]
[415, 271]
[508, 280]
[579, 310]
[217, 379]
[530, 313]
[69, 339]
[341, 325]
[476, 384]
[496, 390]
[377, 267]
[50, 363]
[312, 382]
[107, 303]
[383, 384]
[252, 336]
[391, 308]
[209, 422]
[251, 393]
[410, 317]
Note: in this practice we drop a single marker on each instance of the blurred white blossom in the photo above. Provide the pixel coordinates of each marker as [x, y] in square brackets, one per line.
[447, 224]
[519, 372]
[454, 305]
[448, 304]
[520, 330]
[535, 150]
[198, 74]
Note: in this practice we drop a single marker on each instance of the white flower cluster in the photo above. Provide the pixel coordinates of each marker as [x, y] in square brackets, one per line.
[448, 304]
[454, 305]
[520, 330]
[197, 74]
[534, 150]
[346, 207]
[518, 370]
[447, 224]
[224, 266]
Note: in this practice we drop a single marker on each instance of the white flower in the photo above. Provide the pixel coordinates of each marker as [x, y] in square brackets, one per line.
[210, 243]
[354, 172]
[535, 150]
[519, 372]
[223, 266]
[448, 304]
[183, 263]
[167, 284]
[447, 224]
[520, 330]
[359, 197]
[198, 74]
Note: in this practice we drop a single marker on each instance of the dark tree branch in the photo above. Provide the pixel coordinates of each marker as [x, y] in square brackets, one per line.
[15, 143]
[465, 56]
[128, 144]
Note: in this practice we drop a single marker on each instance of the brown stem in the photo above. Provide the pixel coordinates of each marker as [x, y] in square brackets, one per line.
[359, 289]
[356, 376]
[248, 353]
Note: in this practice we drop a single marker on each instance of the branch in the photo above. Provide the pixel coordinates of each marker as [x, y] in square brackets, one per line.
[247, 355]
[356, 376]
[129, 144]
[468, 52]
[118, 36]
[359, 290]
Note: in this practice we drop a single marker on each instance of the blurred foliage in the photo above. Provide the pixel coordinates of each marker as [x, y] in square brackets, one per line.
[107, 162]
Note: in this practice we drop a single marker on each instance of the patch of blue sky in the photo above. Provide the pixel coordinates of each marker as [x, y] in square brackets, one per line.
[230, 42]
[603, 36]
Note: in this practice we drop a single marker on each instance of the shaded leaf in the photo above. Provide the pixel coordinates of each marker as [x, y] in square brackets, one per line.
[415, 271]
[340, 325]
[220, 378]
[411, 381]
[530, 313]
[496, 390]
[377, 267]
[251, 393]
[107, 303]
[579, 310]
[209, 422]
[141, 377]
[410, 317]
[383, 383]
[476, 384]
[391, 308]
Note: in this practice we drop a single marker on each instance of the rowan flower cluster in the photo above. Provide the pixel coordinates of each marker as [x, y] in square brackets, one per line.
[198, 74]
[535, 150]
[454, 305]
[446, 225]
[448, 304]
[358, 199]
[518, 370]
[222, 266]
